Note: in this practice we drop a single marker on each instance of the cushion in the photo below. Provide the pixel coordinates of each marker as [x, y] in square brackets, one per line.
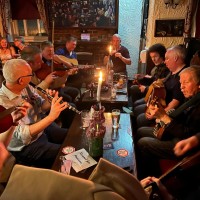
[43, 184]
[119, 180]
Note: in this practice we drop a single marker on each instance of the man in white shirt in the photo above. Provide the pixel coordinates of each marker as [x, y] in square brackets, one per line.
[35, 141]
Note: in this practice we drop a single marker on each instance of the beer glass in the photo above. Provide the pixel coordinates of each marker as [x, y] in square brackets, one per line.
[85, 119]
[115, 118]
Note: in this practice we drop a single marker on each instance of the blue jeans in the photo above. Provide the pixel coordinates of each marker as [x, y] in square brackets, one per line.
[149, 150]
[44, 150]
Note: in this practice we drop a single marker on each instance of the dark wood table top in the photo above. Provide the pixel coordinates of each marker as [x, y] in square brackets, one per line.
[76, 138]
[109, 103]
[121, 97]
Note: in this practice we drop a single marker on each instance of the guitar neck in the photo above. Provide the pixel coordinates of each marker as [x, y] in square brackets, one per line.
[85, 66]
[186, 163]
[74, 62]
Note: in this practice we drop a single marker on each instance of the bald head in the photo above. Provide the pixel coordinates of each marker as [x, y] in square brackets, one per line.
[116, 36]
[15, 68]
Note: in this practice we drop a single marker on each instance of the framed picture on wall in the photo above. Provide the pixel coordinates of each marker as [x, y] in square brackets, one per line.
[83, 13]
[169, 28]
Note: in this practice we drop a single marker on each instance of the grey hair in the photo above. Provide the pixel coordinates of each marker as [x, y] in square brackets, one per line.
[20, 38]
[195, 70]
[29, 52]
[178, 50]
[12, 69]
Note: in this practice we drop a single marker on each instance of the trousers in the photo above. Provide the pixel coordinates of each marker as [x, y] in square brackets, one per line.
[43, 151]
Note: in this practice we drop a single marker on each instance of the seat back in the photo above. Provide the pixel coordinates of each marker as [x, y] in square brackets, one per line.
[85, 58]
[121, 181]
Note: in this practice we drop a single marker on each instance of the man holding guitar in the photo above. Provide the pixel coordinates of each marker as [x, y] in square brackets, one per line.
[71, 56]
[181, 124]
[174, 60]
[68, 93]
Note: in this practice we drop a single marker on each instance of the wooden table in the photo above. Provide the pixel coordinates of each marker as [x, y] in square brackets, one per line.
[106, 100]
[76, 138]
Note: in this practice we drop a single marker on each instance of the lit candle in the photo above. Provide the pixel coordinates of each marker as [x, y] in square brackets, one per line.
[110, 49]
[99, 86]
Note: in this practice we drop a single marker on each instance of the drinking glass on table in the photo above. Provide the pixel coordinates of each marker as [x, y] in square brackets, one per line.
[85, 119]
[115, 118]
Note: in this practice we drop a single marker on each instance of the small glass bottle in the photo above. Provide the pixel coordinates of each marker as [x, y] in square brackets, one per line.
[92, 91]
[113, 92]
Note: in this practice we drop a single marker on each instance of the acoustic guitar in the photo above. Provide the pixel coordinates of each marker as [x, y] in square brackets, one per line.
[74, 62]
[173, 113]
[155, 95]
[160, 126]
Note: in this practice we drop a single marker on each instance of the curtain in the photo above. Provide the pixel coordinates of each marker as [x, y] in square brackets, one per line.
[197, 35]
[5, 15]
[191, 7]
[42, 12]
[24, 9]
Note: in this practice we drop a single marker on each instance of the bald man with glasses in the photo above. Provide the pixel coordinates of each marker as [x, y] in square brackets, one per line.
[36, 140]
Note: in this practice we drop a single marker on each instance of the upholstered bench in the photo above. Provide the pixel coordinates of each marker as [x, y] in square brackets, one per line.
[6, 171]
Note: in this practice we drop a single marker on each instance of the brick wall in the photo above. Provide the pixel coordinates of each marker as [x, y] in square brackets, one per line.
[99, 41]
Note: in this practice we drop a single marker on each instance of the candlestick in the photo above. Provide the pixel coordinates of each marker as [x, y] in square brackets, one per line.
[99, 87]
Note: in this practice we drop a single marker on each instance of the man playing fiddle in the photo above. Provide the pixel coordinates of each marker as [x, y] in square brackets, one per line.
[32, 54]
[68, 93]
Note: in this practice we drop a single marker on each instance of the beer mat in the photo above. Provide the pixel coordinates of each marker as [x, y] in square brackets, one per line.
[108, 145]
[122, 152]
[80, 160]
[68, 150]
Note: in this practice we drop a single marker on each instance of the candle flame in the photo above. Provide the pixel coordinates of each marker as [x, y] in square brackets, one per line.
[100, 76]
[110, 49]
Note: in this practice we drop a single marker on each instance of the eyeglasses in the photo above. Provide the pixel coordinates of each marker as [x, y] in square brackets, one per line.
[25, 76]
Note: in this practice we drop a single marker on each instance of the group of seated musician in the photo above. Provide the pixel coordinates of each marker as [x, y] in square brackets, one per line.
[35, 139]
[167, 130]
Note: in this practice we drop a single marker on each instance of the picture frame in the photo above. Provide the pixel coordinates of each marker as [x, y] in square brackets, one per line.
[169, 28]
[83, 13]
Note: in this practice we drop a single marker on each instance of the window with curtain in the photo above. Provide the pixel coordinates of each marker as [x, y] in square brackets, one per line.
[26, 18]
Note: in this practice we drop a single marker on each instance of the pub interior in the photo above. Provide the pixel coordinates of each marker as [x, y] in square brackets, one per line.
[99, 98]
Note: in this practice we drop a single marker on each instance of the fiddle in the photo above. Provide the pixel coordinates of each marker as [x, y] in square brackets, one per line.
[45, 70]
[6, 120]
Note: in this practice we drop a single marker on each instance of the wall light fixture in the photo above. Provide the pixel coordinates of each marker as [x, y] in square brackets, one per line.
[172, 3]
